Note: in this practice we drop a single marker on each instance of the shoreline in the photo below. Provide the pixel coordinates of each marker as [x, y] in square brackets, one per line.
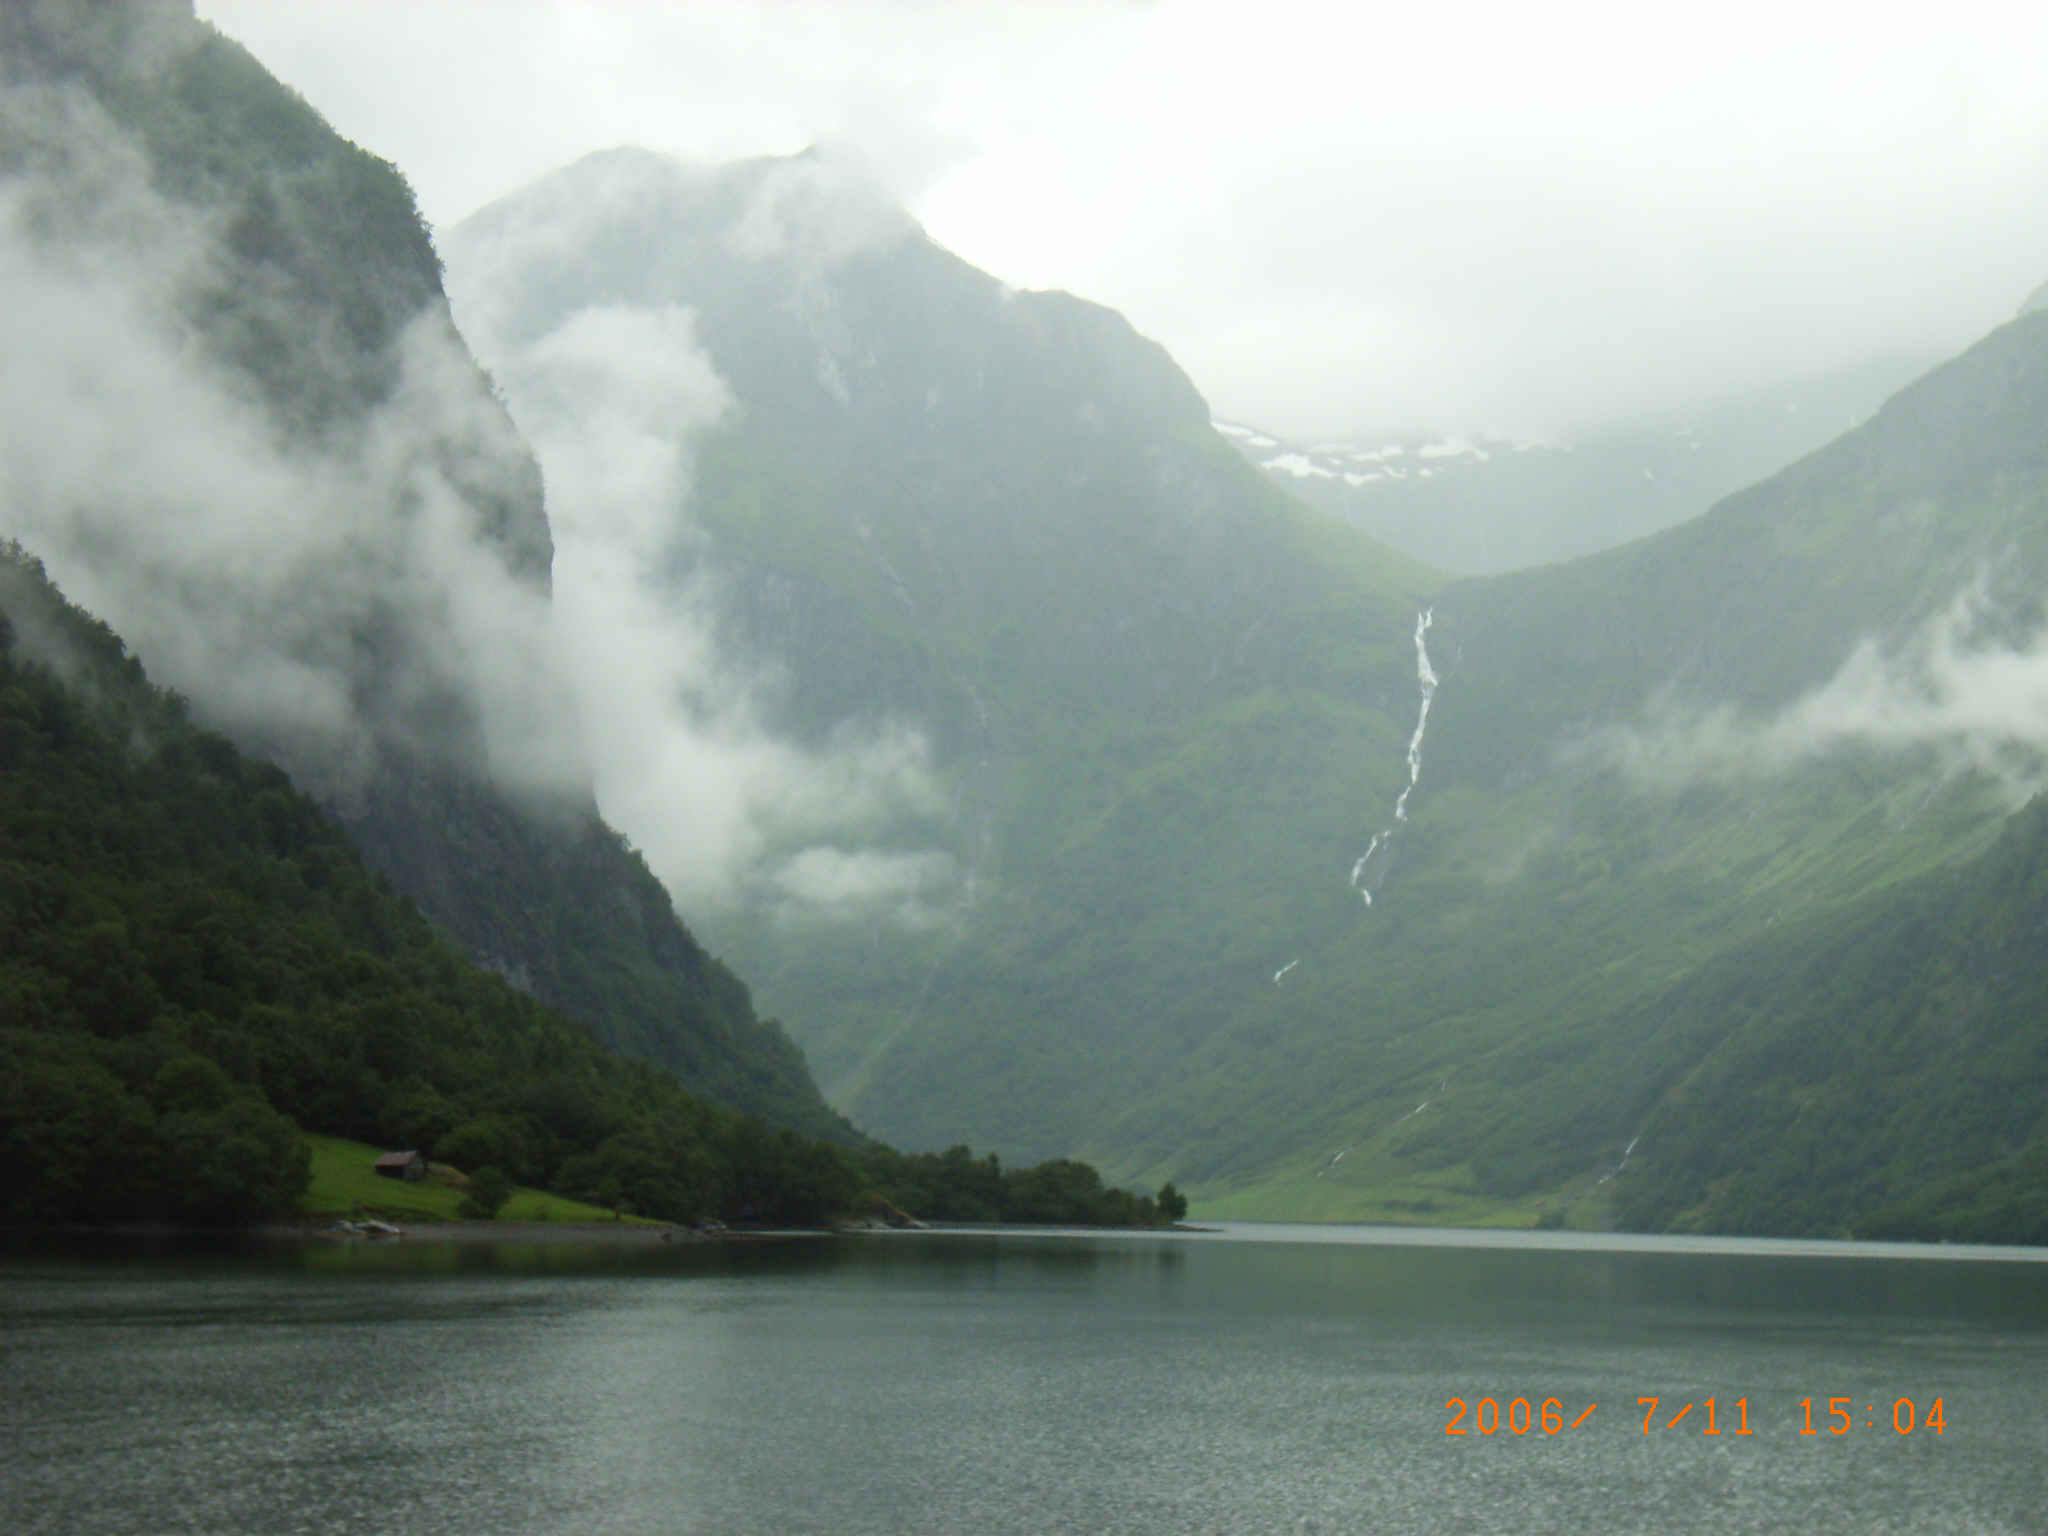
[597, 1233]
[617, 1234]
[479, 1233]
[431, 1233]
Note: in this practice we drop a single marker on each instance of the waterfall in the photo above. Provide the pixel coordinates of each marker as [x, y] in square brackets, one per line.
[1426, 681]
[1625, 1154]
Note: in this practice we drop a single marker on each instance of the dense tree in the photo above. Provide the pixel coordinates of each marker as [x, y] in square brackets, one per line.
[194, 962]
[489, 1189]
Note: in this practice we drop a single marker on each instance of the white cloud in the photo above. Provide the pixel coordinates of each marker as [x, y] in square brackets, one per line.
[315, 597]
[840, 884]
[818, 211]
[1953, 689]
[243, 566]
[1463, 216]
[725, 808]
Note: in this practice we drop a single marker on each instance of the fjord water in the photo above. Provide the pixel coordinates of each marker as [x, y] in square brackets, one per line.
[1258, 1379]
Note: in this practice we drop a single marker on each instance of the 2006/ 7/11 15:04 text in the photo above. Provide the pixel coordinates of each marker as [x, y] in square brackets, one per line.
[1486, 1417]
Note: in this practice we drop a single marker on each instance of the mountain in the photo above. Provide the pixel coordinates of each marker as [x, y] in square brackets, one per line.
[1261, 856]
[1067, 781]
[1482, 505]
[1767, 596]
[1002, 518]
[241, 427]
[1781, 713]
[1663, 770]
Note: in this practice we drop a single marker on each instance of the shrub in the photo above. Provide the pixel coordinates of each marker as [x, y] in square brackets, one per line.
[489, 1189]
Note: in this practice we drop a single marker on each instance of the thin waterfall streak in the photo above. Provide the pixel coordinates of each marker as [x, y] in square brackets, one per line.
[1626, 1152]
[1426, 681]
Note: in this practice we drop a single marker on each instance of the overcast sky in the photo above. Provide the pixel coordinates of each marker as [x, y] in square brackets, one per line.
[1477, 216]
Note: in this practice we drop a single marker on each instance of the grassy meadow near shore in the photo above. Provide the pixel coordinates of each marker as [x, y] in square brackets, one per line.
[346, 1185]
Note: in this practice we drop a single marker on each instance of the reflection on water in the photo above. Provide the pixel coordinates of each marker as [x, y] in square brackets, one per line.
[1258, 1379]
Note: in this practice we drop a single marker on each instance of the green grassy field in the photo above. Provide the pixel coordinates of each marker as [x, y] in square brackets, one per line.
[345, 1185]
[1373, 1184]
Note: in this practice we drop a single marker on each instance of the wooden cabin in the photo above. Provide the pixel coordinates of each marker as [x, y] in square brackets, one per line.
[410, 1166]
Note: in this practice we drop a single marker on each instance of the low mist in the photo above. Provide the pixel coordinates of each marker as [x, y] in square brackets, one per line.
[250, 567]
[322, 594]
[724, 808]
[1964, 686]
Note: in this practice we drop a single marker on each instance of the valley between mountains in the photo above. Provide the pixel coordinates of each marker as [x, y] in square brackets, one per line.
[998, 756]
[1262, 856]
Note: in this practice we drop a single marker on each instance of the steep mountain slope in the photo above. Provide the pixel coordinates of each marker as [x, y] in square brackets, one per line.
[1482, 505]
[1662, 755]
[239, 424]
[1892, 1058]
[1002, 518]
[192, 958]
[190, 953]
[1874, 536]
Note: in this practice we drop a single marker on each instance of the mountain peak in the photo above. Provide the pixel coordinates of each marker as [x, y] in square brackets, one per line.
[635, 226]
[822, 204]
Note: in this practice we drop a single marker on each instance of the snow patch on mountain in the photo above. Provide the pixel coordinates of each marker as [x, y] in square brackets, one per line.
[1299, 465]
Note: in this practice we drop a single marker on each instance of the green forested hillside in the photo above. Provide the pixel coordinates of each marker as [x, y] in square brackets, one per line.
[394, 562]
[194, 963]
[1881, 1072]
[195, 958]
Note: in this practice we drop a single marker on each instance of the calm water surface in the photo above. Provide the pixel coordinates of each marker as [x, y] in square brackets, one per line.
[1258, 1379]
